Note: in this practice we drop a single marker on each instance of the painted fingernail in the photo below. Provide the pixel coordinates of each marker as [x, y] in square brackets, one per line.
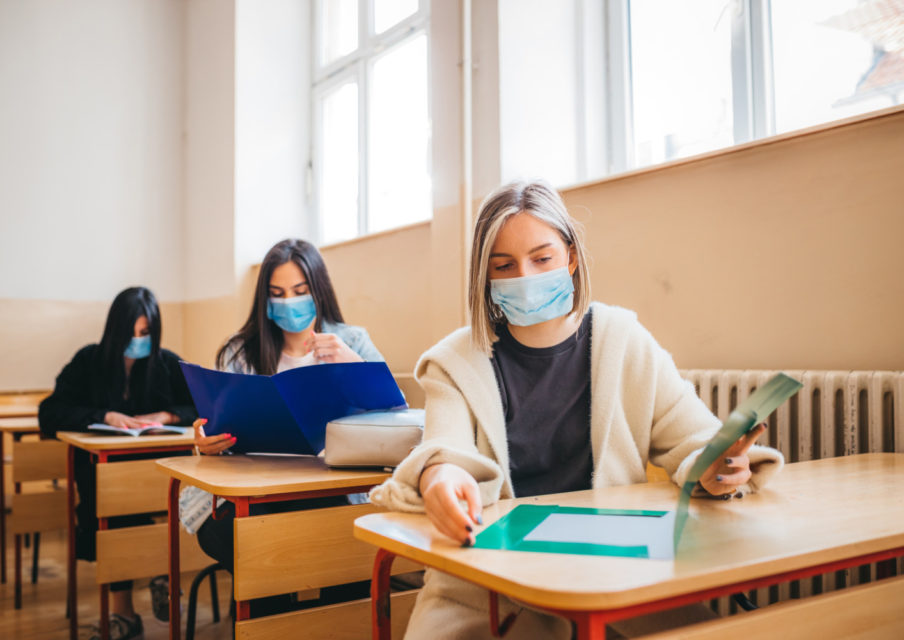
[469, 528]
[466, 543]
[726, 496]
[727, 460]
[203, 420]
[479, 519]
[719, 478]
[738, 495]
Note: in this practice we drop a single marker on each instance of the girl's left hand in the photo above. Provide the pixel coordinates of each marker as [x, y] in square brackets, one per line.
[732, 470]
[328, 347]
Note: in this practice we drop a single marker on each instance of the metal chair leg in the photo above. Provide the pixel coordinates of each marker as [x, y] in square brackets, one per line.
[209, 570]
[214, 597]
[34, 558]
[744, 602]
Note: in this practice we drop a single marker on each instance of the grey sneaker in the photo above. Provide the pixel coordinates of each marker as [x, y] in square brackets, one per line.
[122, 628]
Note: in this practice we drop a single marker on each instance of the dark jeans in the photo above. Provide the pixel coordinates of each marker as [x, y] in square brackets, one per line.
[216, 539]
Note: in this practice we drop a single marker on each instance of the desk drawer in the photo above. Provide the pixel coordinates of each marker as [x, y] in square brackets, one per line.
[133, 486]
[299, 550]
[142, 552]
[346, 621]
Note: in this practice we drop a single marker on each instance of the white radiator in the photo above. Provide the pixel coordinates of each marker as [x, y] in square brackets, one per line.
[836, 413]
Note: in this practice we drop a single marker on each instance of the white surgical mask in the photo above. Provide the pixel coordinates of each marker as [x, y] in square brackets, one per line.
[533, 299]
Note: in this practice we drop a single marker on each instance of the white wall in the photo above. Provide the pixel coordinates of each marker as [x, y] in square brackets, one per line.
[91, 98]
[209, 203]
[272, 125]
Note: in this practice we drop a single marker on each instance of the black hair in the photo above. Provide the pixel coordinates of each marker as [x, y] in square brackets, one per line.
[128, 306]
[259, 342]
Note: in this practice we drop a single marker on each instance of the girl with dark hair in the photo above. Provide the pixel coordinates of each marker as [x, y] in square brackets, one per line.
[295, 321]
[126, 381]
[295, 318]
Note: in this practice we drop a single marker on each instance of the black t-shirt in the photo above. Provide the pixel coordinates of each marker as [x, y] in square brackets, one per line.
[546, 401]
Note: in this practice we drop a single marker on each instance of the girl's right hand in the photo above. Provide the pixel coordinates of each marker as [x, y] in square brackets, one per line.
[121, 420]
[210, 445]
[442, 487]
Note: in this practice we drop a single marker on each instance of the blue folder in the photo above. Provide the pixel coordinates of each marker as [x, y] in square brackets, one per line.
[288, 412]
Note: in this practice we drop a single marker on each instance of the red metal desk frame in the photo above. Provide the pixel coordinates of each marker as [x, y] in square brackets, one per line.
[591, 625]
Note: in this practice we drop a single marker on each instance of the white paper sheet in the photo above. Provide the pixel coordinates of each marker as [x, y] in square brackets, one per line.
[622, 530]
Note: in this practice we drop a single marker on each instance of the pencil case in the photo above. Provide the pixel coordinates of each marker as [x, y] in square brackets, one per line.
[373, 438]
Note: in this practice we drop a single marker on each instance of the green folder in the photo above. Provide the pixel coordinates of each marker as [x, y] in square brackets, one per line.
[628, 532]
[754, 410]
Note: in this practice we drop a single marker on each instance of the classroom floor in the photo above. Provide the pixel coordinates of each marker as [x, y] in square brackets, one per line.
[43, 612]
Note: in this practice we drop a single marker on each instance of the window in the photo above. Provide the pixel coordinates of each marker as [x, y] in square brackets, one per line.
[371, 116]
[657, 80]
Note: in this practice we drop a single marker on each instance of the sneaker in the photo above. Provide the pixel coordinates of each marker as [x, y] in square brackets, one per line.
[159, 587]
[122, 628]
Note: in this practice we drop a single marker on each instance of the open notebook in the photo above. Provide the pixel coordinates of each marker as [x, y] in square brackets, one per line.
[147, 430]
[628, 532]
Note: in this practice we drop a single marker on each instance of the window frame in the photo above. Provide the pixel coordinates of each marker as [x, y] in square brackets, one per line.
[356, 66]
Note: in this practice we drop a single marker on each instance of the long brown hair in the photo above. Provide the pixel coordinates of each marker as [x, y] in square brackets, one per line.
[259, 342]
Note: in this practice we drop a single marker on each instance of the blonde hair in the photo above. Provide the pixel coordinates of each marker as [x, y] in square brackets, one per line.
[542, 202]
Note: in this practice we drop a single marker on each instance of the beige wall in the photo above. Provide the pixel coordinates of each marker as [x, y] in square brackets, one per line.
[382, 282]
[784, 254]
[38, 337]
[781, 254]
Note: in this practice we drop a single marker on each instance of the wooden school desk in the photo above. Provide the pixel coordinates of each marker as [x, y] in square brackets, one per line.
[814, 517]
[19, 411]
[123, 487]
[265, 564]
[16, 427]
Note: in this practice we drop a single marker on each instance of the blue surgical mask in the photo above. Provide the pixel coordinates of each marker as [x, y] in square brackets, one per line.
[292, 314]
[533, 299]
[138, 348]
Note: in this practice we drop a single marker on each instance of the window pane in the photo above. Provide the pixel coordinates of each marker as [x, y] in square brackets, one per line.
[390, 12]
[681, 78]
[339, 175]
[339, 29]
[835, 58]
[399, 184]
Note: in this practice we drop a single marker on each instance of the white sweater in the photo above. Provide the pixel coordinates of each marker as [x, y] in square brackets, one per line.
[641, 409]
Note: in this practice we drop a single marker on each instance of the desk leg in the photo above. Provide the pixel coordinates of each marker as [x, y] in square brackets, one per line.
[17, 599]
[104, 594]
[381, 607]
[172, 519]
[590, 626]
[496, 629]
[70, 559]
[242, 510]
[2, 512]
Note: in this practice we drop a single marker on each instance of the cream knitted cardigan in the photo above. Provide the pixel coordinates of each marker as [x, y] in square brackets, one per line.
[640, 409]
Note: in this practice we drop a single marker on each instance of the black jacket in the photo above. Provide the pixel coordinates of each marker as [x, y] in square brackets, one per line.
[80, 397]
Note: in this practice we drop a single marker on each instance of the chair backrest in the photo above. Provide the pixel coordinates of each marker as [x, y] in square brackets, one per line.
[42, 505]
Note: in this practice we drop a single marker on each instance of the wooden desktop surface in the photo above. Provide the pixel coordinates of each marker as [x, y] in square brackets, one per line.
[811, 513]
[95, 442]
[260, 475]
